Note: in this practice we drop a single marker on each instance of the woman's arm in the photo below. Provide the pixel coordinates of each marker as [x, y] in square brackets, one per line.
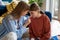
[9, 25]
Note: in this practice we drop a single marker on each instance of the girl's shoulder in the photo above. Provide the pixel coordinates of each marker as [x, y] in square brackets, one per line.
[45, 17]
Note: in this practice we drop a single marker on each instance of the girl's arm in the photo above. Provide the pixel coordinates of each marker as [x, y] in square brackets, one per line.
[46, 34]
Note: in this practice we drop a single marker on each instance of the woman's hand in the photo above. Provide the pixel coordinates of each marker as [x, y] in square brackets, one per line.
[27, 22]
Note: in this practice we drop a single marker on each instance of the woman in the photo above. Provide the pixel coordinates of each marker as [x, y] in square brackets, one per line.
[39, 28]
[14, 23]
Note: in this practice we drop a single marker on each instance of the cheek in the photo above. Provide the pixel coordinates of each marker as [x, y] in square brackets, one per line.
[35, 13]
[25, 13]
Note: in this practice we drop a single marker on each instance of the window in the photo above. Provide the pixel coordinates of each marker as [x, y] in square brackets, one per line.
[56, 8]
[52, 6]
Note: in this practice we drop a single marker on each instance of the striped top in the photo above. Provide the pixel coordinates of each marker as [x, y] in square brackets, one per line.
[10, 25]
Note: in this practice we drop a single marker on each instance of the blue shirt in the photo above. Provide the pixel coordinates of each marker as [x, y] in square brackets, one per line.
[10, 25]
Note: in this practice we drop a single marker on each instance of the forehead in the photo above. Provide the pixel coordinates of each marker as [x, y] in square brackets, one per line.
[35, 10]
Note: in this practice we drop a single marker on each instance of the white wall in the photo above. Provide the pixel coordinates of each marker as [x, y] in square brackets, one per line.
[59, 11]
[47, 5]
[16, 1]
[44, 5]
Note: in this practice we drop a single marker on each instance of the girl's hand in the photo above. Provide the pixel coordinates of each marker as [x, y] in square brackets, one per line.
[32, 39]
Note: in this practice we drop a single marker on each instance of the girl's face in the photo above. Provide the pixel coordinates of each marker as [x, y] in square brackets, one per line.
[34, 13]
[24, 12]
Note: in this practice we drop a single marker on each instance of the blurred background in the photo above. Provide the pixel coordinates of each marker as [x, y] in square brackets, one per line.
[6, 6]
[48, 6]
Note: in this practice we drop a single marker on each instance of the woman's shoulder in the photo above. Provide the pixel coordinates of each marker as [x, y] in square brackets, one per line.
[8, 17]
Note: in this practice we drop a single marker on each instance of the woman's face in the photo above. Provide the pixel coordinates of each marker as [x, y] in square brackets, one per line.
[24, 12]
[34, 13]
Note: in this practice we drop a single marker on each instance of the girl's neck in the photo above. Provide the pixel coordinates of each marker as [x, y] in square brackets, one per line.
[39, 15]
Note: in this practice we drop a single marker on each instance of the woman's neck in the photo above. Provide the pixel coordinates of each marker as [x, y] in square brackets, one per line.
[14, 17]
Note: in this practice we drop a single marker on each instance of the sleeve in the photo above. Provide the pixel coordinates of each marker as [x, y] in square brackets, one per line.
[21, 22]
[31, 32]
[46, 28]
[9, 25]
[21, 31]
